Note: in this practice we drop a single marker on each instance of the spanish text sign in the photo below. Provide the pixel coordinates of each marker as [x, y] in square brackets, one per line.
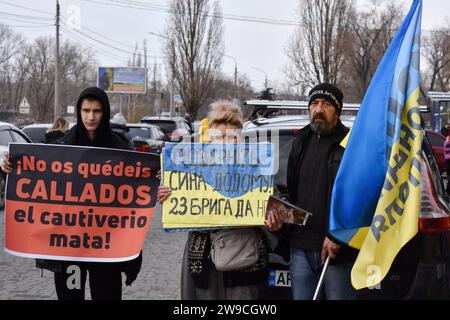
[79, 203]
[217, 185]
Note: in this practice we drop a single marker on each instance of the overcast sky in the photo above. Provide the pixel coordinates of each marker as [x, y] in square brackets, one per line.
[252, 44]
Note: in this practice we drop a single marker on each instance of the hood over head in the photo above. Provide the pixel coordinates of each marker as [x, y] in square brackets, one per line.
[103, 134]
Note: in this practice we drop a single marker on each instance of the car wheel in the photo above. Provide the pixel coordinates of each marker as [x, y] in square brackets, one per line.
[2, 191]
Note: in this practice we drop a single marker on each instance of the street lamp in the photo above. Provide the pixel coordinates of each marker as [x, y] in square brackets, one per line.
[264, 74]
[235, 73]
[172, 90]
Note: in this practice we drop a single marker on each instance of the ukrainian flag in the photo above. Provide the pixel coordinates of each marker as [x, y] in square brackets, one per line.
[376, 196]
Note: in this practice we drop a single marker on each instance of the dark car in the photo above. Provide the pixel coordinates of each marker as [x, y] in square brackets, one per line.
[174, 128]
[8, 133]
[437, 140]
[420, 270]
[36, 132]
[146, 137]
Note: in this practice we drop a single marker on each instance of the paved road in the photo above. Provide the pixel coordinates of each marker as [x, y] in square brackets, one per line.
[159, 277]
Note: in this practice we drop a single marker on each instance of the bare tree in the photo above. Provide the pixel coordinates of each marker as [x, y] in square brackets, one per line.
[41, 77]
[436, 50]
[194, 48]
[371, 32]
[149, 103]
[11, 47]
[223, 88]
[77, 72]
[316, 49]
[20, 70]
[10, 43]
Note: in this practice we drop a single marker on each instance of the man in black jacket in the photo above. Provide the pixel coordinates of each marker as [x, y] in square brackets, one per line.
[105, 279]
[312, 167]
[93, 129]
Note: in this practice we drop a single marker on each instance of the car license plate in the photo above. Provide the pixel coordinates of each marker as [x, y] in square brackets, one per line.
[279, 278]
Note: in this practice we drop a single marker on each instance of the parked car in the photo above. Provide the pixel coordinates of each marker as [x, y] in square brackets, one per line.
[8, 133]
[36, 132]
[420, 270]
[146, 137]
[174, 128]
[437, 140]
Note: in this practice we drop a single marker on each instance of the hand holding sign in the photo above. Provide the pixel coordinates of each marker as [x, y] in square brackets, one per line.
[274, 221]
[163, 193]
[6, 164]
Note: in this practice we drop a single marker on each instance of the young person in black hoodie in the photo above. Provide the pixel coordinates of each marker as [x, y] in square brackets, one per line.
[312, 167]
[105, 279]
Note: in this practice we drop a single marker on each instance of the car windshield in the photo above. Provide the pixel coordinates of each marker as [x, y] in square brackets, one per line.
[35, 134]
[159, 135]
[166, 126]
[141, 132]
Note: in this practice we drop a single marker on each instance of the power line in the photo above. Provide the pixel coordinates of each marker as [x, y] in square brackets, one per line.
[17, 18]
[92, 46]
[226, 16]
[101, 42]
[165, 9]
[110, 39]
[26, 8]
[22, 16]
[22, 26]
[108, 45]
[21, 20]
[98, 49]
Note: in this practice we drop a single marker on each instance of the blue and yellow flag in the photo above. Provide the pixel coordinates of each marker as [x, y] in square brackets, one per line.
[376, 196]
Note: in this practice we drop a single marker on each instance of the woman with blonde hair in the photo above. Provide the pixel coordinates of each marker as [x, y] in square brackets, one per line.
[224, 126]
[56, 131]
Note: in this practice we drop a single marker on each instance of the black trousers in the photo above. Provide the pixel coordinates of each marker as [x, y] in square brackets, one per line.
[105, 281]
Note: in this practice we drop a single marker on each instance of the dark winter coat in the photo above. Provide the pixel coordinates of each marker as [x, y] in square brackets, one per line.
[322, 176]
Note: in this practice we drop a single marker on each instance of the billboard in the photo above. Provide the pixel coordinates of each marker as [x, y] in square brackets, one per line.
[122, 80]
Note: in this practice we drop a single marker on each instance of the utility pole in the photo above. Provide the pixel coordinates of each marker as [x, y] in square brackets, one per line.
[57, 64]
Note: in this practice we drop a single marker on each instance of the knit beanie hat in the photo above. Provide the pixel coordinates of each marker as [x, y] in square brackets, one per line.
[328, 92]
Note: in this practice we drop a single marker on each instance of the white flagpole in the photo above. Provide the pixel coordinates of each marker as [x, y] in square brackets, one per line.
[319, 284]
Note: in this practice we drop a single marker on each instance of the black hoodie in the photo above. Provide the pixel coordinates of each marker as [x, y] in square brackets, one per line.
[104, 136]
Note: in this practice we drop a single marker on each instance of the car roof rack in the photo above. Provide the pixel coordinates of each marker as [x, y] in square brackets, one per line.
[439, 96]
[293, 105]
[301, 105]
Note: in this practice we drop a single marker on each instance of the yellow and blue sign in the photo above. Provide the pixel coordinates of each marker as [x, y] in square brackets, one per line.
[217, 185]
